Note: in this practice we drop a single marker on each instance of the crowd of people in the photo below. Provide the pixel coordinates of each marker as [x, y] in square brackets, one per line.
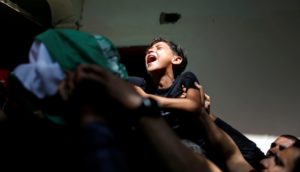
[74, 107]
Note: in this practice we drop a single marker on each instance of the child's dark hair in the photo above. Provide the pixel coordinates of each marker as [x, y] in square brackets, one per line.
[178, 50]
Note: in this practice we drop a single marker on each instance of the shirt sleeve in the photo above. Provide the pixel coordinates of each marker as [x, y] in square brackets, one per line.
[189, 79]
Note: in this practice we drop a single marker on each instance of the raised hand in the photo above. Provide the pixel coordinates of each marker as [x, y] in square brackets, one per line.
[205, 99]
[113, 86]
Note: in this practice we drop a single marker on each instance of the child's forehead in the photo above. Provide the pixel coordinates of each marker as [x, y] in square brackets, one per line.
[160, 43]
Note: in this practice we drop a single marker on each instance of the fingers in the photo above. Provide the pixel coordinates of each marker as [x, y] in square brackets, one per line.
[202, 94]
[184, 92]
[91, 72]
[107, 82]
[66, 87]
[205, 99]
[207, 103]
[92, 68]
[69, 81]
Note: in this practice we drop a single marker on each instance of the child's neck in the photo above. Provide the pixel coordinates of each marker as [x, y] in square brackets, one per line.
[163, 81]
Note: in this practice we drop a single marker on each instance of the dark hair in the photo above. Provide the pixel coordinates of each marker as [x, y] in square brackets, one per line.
[178, 50]
[291, 137]
[297, 143]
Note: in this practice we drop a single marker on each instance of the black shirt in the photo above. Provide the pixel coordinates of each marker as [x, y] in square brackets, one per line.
[174, 118]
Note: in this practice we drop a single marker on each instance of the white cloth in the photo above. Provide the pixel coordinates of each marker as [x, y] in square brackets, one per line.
[41, 75]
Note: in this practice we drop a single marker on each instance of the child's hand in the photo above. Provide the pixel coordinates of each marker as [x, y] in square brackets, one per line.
[140, 91]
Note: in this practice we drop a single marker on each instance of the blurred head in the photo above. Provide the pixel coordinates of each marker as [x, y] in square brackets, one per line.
[163, 53]
[287, 160]
[281, 143]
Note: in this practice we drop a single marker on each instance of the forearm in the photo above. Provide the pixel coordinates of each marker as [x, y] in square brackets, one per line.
[184, 104]
[216, 137]
[223, 144]
[169, 148]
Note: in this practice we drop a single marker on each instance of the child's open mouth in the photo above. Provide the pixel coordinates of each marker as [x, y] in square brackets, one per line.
[151, 58]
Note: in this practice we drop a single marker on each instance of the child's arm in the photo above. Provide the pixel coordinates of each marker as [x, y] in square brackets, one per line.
[190, 103]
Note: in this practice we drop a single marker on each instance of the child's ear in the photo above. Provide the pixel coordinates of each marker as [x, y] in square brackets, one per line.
[177, 60]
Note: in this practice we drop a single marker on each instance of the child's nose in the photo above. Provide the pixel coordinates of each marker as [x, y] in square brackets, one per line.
[150, 51]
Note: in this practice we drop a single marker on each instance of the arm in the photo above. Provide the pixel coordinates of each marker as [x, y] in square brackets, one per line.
[221, 142]
[224, 145]
[170, 150]
[189, 103]
[248, 148]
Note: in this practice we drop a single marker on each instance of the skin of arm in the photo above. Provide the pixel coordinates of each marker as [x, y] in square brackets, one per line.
[224, 145]
[189, 103]
[221, 142]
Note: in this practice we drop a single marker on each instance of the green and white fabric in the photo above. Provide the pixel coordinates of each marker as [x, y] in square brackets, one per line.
[41, 75]
[57, 50]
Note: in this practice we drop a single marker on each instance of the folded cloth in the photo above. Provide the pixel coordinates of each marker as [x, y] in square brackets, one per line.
[57, 50]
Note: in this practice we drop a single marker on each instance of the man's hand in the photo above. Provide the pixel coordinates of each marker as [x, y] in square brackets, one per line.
[205, 99]
[184, 92]
[66, 87]
[113, 86]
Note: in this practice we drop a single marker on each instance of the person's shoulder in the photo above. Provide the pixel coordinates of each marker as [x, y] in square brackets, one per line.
[188, 79]
[188, 73]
